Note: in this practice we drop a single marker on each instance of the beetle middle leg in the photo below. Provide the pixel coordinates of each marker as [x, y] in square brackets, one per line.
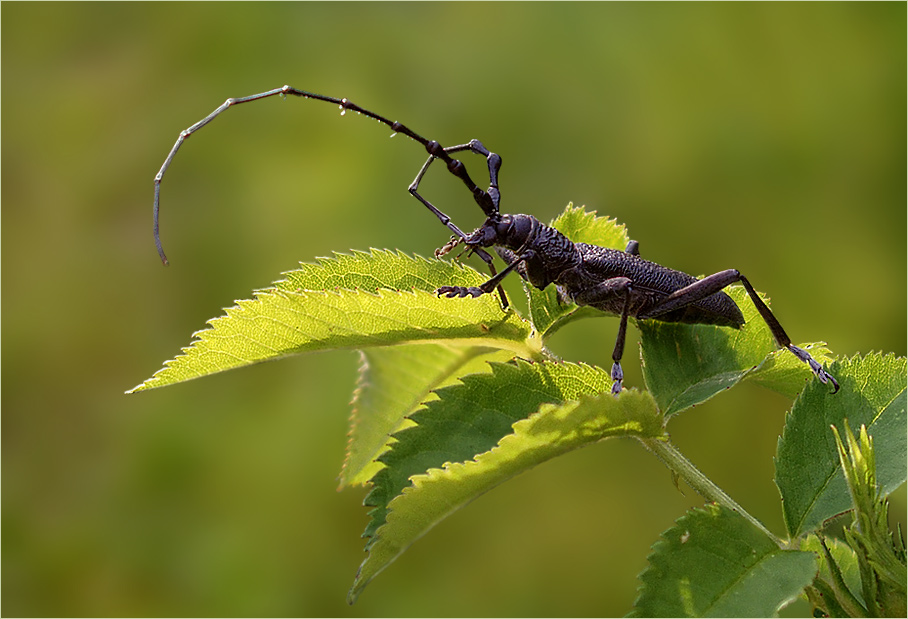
[617, 373]
[714, 283]
[605, 294]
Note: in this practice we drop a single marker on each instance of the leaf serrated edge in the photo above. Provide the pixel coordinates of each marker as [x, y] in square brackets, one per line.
[530, 346]
[678, 530]
[373, 253]
[873, 356]
[486, 460]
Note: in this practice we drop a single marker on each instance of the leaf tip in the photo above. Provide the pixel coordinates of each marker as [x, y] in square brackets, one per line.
[143, 386]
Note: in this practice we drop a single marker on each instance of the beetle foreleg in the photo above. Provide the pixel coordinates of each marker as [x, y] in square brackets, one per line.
[490, 285]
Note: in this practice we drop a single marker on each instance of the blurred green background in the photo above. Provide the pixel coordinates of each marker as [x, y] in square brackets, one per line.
[765, 137]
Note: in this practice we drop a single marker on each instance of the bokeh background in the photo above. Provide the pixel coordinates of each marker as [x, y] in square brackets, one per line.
[765, 137]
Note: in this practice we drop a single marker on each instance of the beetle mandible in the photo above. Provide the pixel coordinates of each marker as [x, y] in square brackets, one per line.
[614, 281]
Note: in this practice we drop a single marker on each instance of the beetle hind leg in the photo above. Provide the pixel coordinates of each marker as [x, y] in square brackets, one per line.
[709, 285]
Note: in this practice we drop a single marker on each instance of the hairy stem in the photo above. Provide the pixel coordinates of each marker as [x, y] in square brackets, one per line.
[705, 487]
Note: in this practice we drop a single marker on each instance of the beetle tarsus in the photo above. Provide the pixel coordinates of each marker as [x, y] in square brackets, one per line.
[824, 376]
[459, 291]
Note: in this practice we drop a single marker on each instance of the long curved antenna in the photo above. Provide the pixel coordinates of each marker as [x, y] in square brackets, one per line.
[487, 200]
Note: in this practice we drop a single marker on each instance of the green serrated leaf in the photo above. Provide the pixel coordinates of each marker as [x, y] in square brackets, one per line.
[713, 563]
[554, 430]
[291, 319]
[808, 472]
[393, 383]
[471, 417]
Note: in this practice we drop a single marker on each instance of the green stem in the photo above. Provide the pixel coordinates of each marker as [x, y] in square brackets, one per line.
[683, 468]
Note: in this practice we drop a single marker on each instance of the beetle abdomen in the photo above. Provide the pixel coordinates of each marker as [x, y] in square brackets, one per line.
[656, 282]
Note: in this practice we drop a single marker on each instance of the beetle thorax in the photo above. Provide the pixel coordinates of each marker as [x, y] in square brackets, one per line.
[511, 231]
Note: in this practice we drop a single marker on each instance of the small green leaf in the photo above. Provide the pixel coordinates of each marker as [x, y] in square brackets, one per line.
[713, 563]
[554, 430]
[394, 381]
[881, 561]
[808, 472]
[582, 226]
[291, 318]
[781, 371]
[845, 559]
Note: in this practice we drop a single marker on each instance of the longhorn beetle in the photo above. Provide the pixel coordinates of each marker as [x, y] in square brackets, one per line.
[617, 282]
